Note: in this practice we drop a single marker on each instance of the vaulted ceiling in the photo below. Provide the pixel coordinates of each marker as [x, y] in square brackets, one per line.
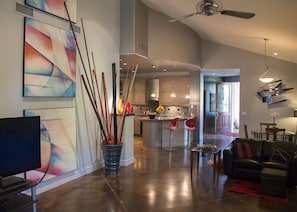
[275, 20]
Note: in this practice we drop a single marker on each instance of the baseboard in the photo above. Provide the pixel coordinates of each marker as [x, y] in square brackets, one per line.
[127, 162]
[60, 180]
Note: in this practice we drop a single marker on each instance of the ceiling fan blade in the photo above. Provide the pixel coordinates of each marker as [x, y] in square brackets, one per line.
[183, 17]
[238, 14]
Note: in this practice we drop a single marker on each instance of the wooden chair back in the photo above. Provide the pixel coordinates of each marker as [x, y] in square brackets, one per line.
[274, 131]
[246, 131]
[264, 126]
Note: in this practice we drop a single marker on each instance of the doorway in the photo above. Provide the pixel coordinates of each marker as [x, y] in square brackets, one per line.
[221, 105]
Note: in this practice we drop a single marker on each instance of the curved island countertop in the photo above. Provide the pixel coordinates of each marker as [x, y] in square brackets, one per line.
[155, 134]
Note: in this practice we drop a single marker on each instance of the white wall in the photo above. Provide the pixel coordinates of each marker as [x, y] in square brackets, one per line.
[251, 65]
[102, 28]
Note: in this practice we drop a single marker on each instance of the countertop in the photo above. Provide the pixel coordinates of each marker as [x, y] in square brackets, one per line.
[163, 118]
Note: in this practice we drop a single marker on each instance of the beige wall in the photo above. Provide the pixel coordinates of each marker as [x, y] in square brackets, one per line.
[102, 26]
[172, 41]
[251, 65]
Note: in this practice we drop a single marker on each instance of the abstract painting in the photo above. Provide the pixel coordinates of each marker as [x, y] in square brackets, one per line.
[58, 142]
[55, 7]
[49, 61]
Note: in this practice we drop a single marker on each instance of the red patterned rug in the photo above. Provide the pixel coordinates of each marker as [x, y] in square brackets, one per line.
[253, 189]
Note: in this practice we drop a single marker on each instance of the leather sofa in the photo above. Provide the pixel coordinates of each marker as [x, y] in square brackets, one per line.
[245, 159]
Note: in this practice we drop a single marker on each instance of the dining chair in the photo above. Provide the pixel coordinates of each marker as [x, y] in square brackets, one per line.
[274, 131]
[246, 131]
[264, 126]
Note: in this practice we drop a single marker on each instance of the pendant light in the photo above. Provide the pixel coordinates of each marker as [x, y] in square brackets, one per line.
[264, 78]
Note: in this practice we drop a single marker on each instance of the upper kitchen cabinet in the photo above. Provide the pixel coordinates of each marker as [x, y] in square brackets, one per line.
[148, 34]
[138, 94]
[134, 28]
[174, 86]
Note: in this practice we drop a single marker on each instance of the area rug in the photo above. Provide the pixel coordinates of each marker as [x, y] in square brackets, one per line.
[253, 189]
[232, 134]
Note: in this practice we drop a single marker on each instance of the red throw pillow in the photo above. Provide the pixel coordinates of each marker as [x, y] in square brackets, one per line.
[242, 150]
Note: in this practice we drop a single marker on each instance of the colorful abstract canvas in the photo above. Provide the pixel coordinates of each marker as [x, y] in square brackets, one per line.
[58, 142]
[49, 61]
[56, 7]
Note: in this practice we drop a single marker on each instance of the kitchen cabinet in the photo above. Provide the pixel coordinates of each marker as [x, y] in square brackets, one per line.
[137, 96]
[179, 86]
[136, 125]
[138, 92]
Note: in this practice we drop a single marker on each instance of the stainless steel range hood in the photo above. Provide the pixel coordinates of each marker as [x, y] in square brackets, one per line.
[152, 89]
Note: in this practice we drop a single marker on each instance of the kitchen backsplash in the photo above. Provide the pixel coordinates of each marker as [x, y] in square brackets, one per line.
[168, 110]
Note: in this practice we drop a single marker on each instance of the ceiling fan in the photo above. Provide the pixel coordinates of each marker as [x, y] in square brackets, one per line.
[211, 7]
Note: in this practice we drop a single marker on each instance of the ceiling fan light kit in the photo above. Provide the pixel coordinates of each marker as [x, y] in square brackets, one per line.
[212, 7]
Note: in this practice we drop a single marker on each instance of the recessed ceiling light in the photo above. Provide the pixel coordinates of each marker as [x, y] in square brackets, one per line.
[153, 66]
[164, 69]
[275, 53]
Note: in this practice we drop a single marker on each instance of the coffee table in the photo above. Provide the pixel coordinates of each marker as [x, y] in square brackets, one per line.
[206, 149]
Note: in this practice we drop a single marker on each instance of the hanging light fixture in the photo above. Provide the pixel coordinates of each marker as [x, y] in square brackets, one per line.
[264, 78]
[172, 88]
[173, 95]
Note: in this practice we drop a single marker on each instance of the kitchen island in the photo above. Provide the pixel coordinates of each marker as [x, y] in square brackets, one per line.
[155, 134]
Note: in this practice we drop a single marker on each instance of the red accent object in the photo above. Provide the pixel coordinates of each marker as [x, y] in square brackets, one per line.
[174, 122]
[253, 189]
[248, 150]
[191, 122]
[239, 150]
[173, 125]
[128, 108]
[243, 150]
[232, 134]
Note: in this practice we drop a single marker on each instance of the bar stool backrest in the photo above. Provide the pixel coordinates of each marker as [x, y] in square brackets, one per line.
[174, 122]
[191, 122]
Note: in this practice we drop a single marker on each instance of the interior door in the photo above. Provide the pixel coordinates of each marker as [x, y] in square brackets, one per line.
[223, 108]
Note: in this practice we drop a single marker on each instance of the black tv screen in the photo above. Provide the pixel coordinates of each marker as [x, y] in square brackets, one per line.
[19, 145]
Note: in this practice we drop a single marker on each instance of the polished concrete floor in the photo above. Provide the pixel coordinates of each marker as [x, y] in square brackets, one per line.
[158, 180]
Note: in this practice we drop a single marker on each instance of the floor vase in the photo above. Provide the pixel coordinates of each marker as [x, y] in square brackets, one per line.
[112, 156]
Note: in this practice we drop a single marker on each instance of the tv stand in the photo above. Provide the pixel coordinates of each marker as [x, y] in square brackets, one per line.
[10, 181]
[11, 196]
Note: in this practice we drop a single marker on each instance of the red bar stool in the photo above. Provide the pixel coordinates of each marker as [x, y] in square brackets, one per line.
[190, 127]
[171, 128]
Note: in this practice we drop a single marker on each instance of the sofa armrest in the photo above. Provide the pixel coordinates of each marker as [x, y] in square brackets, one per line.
[228, 161]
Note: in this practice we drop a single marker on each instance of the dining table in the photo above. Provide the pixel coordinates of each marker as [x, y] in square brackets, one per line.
[260, 135]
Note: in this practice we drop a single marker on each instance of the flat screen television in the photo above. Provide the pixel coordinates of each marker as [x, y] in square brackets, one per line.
[19, 145]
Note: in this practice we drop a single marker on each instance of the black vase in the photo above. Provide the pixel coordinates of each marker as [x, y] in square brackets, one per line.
[112, 156]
